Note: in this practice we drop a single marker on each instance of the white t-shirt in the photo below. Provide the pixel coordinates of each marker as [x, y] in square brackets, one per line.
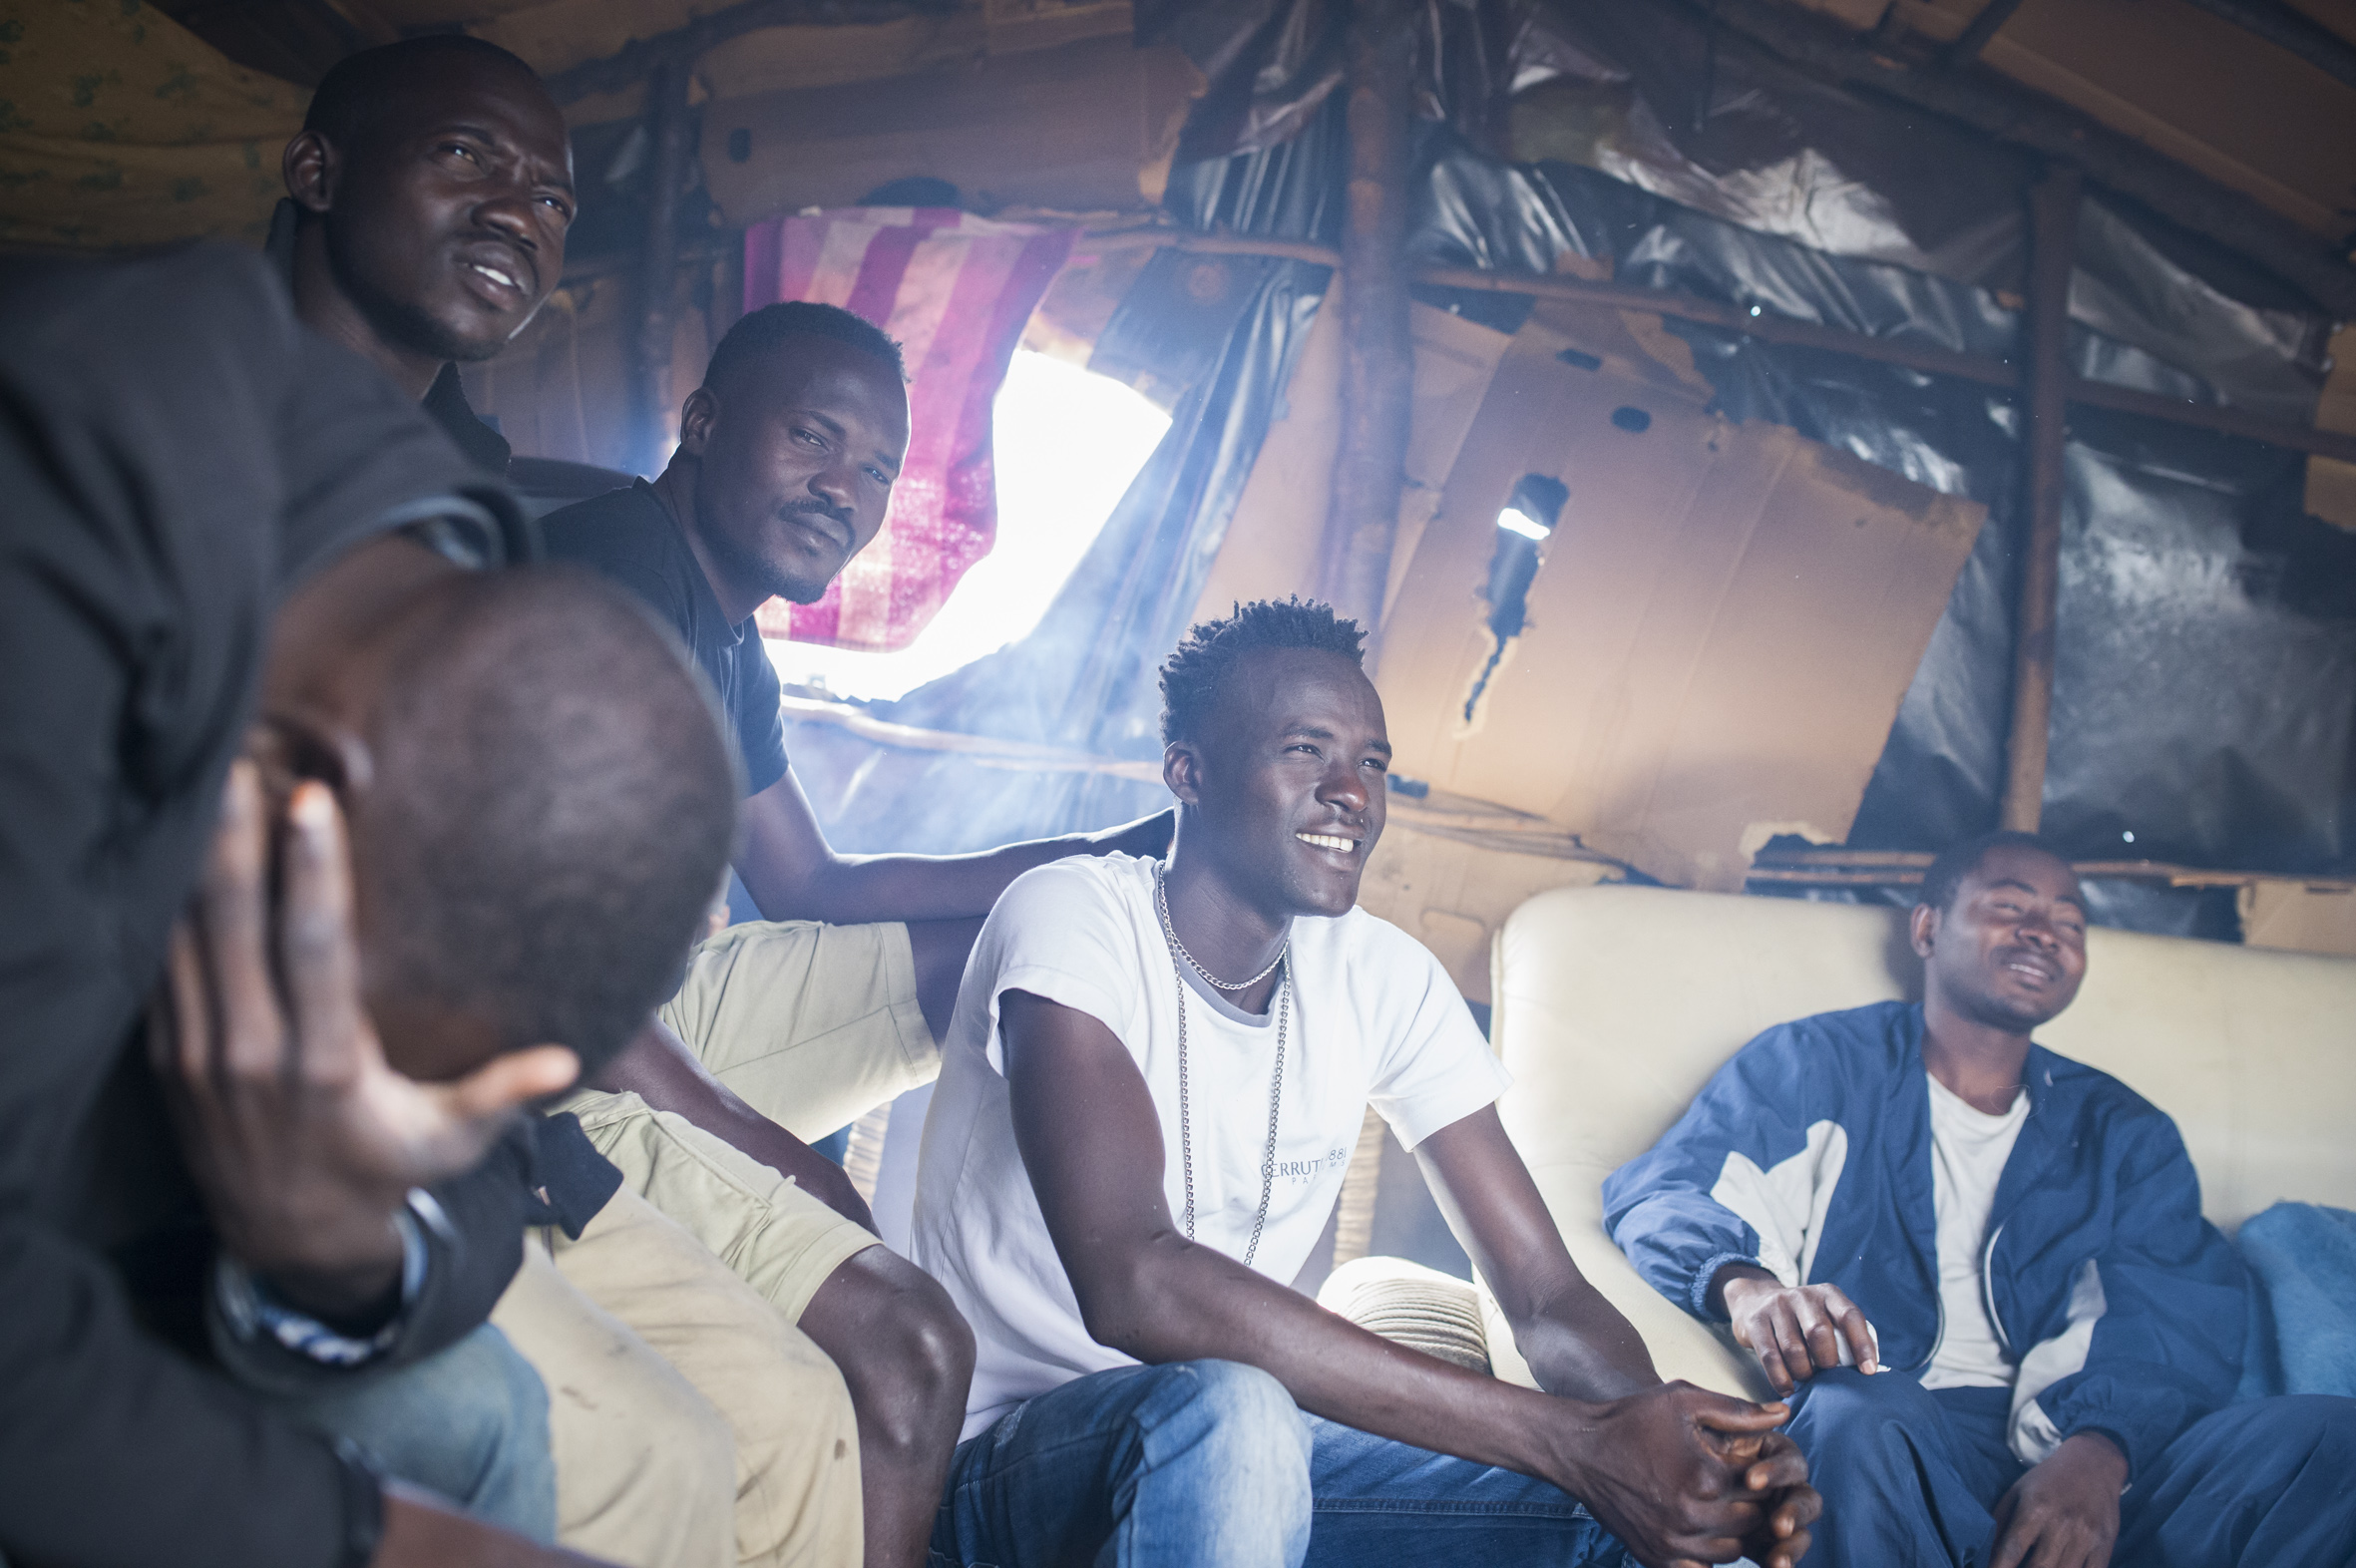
[1375, 1020]
[1968, 1151]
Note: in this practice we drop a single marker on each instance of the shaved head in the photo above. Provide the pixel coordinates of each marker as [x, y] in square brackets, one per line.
[363, 92]
[433, 186]
[550, 808]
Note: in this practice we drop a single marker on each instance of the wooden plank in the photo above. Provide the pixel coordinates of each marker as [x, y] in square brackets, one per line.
[2210, 416]
[1926, 357]
[1377, 367]
[1983, 370]
[657, 278]
[2053, 232]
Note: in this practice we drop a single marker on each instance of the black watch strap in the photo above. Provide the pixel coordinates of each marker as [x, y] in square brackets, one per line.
[363, 1506]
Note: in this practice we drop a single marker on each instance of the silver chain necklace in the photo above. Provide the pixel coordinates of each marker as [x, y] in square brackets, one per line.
[1162, 898]
[1276, 1085]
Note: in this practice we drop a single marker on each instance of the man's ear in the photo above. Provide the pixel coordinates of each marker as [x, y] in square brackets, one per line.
[298, 740]
[697, 418]
[1921, 928]
[312, 168]
[1182, 771]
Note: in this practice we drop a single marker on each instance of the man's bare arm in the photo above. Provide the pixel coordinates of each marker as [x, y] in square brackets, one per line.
[1653, 1466]
[658, 1069]
[792, 872]
[423, 1532]
[1577, 1343]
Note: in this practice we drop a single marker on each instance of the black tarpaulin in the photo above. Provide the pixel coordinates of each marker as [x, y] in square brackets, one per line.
[2205, 683]
[2206, 692]
[1224, 330]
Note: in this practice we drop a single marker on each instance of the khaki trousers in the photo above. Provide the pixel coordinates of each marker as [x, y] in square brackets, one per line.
[812, 1025]
[645, 1466]
[665, 1334]
[792, 1488]
[763, 1227]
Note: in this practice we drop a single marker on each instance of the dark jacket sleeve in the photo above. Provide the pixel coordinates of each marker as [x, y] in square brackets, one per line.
[114, 1449]
[115, 1452]
[1734, 1180]
[148, 521]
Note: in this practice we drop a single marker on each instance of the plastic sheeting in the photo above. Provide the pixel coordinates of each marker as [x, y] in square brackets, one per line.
[2205, 685]
[1223, 328]
[2205, 695]
[1650, 95]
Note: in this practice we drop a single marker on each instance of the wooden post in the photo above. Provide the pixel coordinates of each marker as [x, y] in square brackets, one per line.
[1370, 468]
[2053, 234]
[658, 262]
[1965, 51]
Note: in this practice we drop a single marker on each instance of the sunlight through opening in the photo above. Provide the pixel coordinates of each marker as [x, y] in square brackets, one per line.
[1067, 444]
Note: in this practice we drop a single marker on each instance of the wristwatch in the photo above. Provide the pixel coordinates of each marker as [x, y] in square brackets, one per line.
[251, 1312]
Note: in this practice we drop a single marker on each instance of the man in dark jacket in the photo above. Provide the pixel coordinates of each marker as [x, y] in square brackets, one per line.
[1981, 1270]
[430, 195]
[180, 457]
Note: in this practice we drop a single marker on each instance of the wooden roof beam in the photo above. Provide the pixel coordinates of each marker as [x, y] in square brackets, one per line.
[2059, 134]
[2285, 29]
[1966, 49]
[1986, 369]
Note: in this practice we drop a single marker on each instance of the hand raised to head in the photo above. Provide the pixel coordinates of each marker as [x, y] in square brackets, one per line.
[303, 1140]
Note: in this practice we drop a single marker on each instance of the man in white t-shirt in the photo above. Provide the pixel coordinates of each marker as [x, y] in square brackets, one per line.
[1981, 1271]
[1151, 1086]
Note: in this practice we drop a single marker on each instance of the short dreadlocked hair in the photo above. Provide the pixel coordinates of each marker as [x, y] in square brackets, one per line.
[1947, 869]
[768, 327]
[1191, 678]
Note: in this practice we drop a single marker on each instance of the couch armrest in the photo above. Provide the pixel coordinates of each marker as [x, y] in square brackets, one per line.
[1681, 1346]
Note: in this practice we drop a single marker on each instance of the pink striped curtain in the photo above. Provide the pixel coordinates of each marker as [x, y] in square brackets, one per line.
[955, 290]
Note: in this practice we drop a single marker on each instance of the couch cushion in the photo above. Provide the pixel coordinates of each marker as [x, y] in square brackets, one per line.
[1410, 1304]
[1614, 1005]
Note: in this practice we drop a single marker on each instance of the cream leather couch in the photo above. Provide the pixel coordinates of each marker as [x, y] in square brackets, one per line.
[1614, 1006]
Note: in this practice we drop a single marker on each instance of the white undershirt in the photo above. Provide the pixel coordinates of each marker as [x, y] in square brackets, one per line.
[1968, 1151]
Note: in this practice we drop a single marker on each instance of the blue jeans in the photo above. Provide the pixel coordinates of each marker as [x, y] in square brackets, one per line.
[1911, 1476]
[469, 1424]
[1210, 1464]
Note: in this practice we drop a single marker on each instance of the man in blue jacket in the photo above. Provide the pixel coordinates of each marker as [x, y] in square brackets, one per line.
[1981, 1271]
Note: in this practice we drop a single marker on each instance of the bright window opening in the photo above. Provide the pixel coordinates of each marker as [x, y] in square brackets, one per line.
[1068, 442]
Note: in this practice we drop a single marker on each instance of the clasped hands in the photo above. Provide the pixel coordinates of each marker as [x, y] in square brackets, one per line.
[1686, 1477]
[2063, 1513]
[304, 1139]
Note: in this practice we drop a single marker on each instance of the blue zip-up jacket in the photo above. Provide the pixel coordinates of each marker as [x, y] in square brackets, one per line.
[1809, 1155]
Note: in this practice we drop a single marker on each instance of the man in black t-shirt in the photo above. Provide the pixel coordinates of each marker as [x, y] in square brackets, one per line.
[787, 457]
[835, 1003]
[629, 536]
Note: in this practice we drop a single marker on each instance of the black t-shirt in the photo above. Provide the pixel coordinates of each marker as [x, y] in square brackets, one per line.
[446, 405]
[630, 536]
